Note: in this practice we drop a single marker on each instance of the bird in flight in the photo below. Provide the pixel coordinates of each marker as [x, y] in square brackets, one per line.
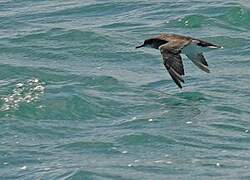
[172, 45]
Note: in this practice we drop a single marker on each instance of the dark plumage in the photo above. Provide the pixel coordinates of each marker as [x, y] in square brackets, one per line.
[172, 45]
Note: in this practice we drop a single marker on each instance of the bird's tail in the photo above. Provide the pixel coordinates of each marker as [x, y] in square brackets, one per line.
[202, 43]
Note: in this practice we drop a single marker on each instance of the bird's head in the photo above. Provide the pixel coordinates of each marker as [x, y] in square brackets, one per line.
[147, 43]
[153, 43]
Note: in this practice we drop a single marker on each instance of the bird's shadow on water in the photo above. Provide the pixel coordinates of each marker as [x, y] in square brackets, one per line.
[165, 102]
[177, 107]
[165, 90]
[173, 99]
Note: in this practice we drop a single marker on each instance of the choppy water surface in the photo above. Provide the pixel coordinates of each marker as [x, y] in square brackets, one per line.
[78, 101]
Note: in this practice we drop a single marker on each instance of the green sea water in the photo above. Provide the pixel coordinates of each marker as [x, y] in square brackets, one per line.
[78, 101]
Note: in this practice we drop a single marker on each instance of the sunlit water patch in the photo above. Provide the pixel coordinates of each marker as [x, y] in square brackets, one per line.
[23, 92]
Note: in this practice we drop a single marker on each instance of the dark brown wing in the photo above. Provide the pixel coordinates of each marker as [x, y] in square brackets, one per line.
[173, 62]
[174, 38]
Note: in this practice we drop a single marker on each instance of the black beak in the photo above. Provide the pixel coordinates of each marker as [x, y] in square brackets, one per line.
[140, 46]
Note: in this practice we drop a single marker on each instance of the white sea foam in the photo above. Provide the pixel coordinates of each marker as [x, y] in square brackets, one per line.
[23, 92]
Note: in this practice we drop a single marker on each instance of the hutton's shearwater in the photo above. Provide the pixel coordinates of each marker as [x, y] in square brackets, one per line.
[172, 45]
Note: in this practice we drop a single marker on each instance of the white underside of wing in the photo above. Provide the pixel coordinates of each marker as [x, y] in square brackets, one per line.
[194, 53]
[192, 49]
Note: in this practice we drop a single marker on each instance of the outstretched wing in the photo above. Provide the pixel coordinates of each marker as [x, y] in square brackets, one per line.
[173, 62]
[194, 53]
[199, 60]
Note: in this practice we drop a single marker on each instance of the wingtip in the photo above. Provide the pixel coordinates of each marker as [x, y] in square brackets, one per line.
[179, 85]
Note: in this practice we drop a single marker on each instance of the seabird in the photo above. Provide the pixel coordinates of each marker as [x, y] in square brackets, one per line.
[172, 45]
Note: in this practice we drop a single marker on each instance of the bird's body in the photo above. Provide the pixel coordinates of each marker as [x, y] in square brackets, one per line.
[172, 45]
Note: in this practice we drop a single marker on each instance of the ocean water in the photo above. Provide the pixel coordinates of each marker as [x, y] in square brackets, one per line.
[78, 101]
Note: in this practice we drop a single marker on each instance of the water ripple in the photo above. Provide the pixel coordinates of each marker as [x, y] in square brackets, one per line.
[100, 109]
